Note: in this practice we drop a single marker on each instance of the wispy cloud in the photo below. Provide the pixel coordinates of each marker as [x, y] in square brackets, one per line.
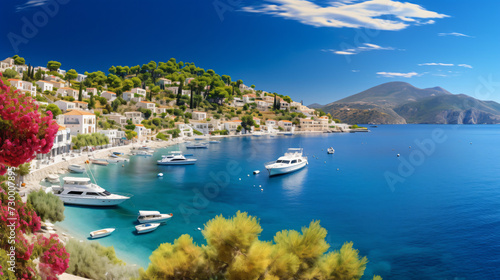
[355, 71]
[397, 74]
[444, 64]
[372, 14]
[31, 4]
[456, 34]
[363, 48]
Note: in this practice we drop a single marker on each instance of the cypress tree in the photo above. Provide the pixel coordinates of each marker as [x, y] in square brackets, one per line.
[80, 97]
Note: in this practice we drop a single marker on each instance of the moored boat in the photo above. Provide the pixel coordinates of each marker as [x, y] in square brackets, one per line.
[291, 161]
[176, 158]
[99, 162]
[101, 233]
[197, 146]
[153, 216]
[76, 168]
[80, 191]
[145, 228]
[331, 150]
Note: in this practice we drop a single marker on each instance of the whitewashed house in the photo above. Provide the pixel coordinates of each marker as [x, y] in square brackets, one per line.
[23, 86]
[135, 117]
[286, 125]
[117, 118]
[249, 98]
[91, 91]
[232, 126]
[45, 85]
[81, 105]
[65, 105]
[127, 96]
[62, 143]
[81, 77]
[162, 82]
[110, 96]
[199, 116]
[79, 122]
[139, 91]
[147, 105]
[66, 91]
[142, 132]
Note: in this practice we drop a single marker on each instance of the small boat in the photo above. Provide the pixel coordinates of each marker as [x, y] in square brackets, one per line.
[101, 233]
[146, 148]
[214, 142]
[76, 168]
[143, 153]
[330, 150]
[256, 172]
[257, 134]
[176, 158]
[152, 216]
[288, 133]
[118, 153]
[99, 162]
[197, 146]
[53, 179]
[145, 228]
[114, 156]
[160, 175]
[293, 160]
[198, 138]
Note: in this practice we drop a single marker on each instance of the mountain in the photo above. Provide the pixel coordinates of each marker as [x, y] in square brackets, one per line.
[400, 103]
[315, 106]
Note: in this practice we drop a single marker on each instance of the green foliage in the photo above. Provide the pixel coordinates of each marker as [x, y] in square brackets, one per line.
[247, 122]
[94, 139]
[337, 120]
[197, 132]
[9, 73]
[221, 132]
[234, 251]
[174, 132]
[130, 126]
[47, 205]
[130, 134]
[71, 74]
[18, 60]
[53, 65]
[94, 261]
[54, 109]
[161, 136]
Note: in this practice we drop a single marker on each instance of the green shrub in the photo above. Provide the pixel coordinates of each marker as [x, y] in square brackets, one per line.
[161, 136]
[94, 261]
[197, 132]
[47, 205]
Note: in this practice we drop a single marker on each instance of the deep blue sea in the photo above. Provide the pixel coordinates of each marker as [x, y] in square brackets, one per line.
[432, 213]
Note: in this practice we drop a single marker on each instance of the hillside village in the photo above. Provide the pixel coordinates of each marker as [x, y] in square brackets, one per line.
[157, 102]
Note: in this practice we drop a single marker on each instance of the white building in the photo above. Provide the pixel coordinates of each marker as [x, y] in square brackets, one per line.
[23, 86]
[147, 105]
[232, 126]
[91, 91]
[164, 82]
[115, 136]
[249, 98]
[142, 132]
[79, 122]
[62, 143]
[110, 96]
[135, 117]
[284, 105]
[81, 77]
[127, 96]
[286, 125]
[199, 116]
[117, 118]
[45, 85]
[206, 127]
[65, 105]
[186, 129]
[66, 91]
[139, 91]
[82, 105]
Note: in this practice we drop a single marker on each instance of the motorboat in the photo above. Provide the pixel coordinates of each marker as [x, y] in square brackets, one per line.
[145, 228]
[197, 146]
[291, 161]
[152, 216]
[176, 158]
[257, 134]
[81, 191]
[76, 168]
[118, 153]
[330, 150]
[143, 153]
[54, 179]
[99, 162]
[288, 133]
[145, 148]
[214, 142]
[101, 233]
[198, 138]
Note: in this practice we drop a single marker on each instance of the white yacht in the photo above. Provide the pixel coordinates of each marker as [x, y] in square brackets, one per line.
[76, 168]
[81, 191]
[152, 217]
[143, 153]
[331, 150]
[176, 158]
[197, 146]
[292, 160]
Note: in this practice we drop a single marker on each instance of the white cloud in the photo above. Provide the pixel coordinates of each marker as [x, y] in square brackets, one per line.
[31, 4]
[355, 71]
[444, 64]
[372, 14]
[456, 34]
[363, 48]
[396, 74]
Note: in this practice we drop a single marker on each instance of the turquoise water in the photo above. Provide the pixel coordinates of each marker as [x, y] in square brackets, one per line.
[437, 218]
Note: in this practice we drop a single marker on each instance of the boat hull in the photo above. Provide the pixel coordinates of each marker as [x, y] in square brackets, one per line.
[90, 201]
[273, 171]
[141, 230]
[196, 147]
[187, 162]
[149, 221]
[76, 169]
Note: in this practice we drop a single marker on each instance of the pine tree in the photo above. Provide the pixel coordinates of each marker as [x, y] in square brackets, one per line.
[80, 95]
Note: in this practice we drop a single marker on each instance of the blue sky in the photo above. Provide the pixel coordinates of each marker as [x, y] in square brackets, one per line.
[315, 51]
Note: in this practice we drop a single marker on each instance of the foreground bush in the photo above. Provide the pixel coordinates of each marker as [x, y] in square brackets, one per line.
[94, 139]
[47, 205]
[94, 261]
[233, 251]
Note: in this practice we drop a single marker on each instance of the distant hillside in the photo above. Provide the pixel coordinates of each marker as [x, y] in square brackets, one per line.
[315, 106]
[400, 103]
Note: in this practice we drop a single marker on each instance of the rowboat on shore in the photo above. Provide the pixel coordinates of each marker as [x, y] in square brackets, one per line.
[99, 162]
